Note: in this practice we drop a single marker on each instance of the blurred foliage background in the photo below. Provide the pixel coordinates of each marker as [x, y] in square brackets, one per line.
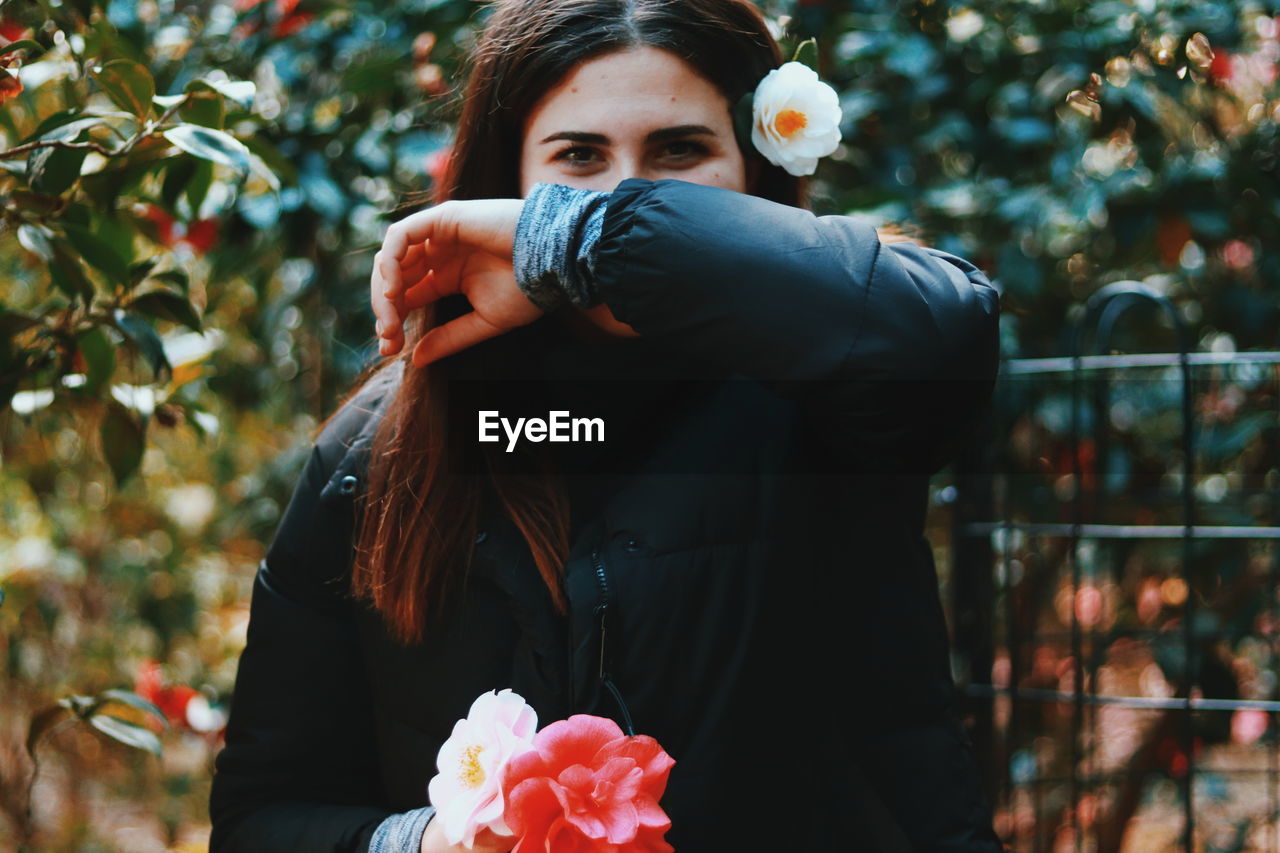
[191, 196]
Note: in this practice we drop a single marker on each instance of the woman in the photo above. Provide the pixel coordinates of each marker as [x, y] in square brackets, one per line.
[738, 570]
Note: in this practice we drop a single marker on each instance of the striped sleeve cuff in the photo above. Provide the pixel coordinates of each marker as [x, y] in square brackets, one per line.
[554, 253]
[402, 833]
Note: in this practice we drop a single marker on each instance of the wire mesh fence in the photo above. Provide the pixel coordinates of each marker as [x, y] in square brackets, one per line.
[1113, 583]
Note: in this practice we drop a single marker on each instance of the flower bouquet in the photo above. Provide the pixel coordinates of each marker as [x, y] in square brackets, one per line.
[579, 784]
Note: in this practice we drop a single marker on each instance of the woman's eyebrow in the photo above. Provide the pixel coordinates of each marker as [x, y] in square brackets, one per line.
[658, 135]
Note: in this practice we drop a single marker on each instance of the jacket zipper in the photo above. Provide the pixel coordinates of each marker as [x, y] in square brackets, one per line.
[604, 611]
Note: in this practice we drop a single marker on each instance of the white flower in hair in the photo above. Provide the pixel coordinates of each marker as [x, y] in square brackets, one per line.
[795, 118]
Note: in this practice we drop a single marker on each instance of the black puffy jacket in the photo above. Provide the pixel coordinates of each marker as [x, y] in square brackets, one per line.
[757, 563]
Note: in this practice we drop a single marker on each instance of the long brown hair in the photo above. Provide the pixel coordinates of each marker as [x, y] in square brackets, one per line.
[421, 508]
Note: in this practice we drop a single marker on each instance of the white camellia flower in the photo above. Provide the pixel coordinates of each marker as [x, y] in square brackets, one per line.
[467, 792]
[795, 118]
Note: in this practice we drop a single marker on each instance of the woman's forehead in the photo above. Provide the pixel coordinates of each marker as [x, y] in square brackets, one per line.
[634, 91]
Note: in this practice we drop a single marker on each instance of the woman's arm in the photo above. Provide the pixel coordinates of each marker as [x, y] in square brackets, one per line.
[892, 348]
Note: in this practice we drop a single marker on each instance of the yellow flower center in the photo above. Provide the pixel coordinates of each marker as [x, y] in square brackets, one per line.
[471, 773]
[789, 123]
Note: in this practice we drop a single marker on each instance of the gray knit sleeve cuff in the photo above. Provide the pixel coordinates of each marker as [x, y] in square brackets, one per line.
[402, 833]
[554, 254]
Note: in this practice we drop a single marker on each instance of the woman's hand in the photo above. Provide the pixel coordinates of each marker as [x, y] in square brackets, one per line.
[454, 247]
[486, 841]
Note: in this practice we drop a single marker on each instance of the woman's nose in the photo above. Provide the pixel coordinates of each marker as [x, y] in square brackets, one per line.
[635, 167]
[626, 170]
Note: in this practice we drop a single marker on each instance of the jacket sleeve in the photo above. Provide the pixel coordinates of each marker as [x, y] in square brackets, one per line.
[299, 768]
[891, 349]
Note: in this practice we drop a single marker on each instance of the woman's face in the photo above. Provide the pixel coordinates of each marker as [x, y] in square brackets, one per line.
[636, 113]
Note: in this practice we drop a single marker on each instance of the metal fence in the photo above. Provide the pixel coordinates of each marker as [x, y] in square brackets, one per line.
[1115, 630]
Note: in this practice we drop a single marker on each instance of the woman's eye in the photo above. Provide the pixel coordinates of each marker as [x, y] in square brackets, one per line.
[577, 155]
[685, 149]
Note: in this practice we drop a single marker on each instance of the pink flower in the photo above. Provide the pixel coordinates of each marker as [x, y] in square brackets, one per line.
[467, 792]
[1248, 725]
[587, 787]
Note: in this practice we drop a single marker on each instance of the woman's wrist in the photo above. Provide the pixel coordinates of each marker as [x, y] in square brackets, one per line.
[553, 255]
[402, 833]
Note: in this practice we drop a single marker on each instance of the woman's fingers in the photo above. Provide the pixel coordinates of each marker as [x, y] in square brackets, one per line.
[435, 278]
[466, 331]
[386, 311]
[414, 230]
[485, 224]
[455, 247]
[423, 293]
[427, 284]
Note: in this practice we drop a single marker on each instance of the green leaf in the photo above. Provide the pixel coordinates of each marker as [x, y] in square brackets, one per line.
[69, 131]
[51, 121]
[99, 358]
[104, 187]
[36, 239]
[100, 254]
[103, 38]
[203, 107]
[178, 172]
[126, 732]
[128, 84]
[78, 704]
[240, 91]
[130, 698]
[168, 305]
[53, 170]
[176, 277]
[123, 440]
[116, 230]
[34, 47]
[215, 146]
[68, 275]
[198, 186]
[67, 124]
[140, 270]
[144, 337]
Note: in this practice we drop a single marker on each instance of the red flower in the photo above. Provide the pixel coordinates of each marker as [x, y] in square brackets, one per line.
[12, 31]
[202, 235]
[10, 85]
[172, 700]
[291, 20]
[1220, 69]
[184, 707]
[588, 788]
[162, 221]
[288, 19]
